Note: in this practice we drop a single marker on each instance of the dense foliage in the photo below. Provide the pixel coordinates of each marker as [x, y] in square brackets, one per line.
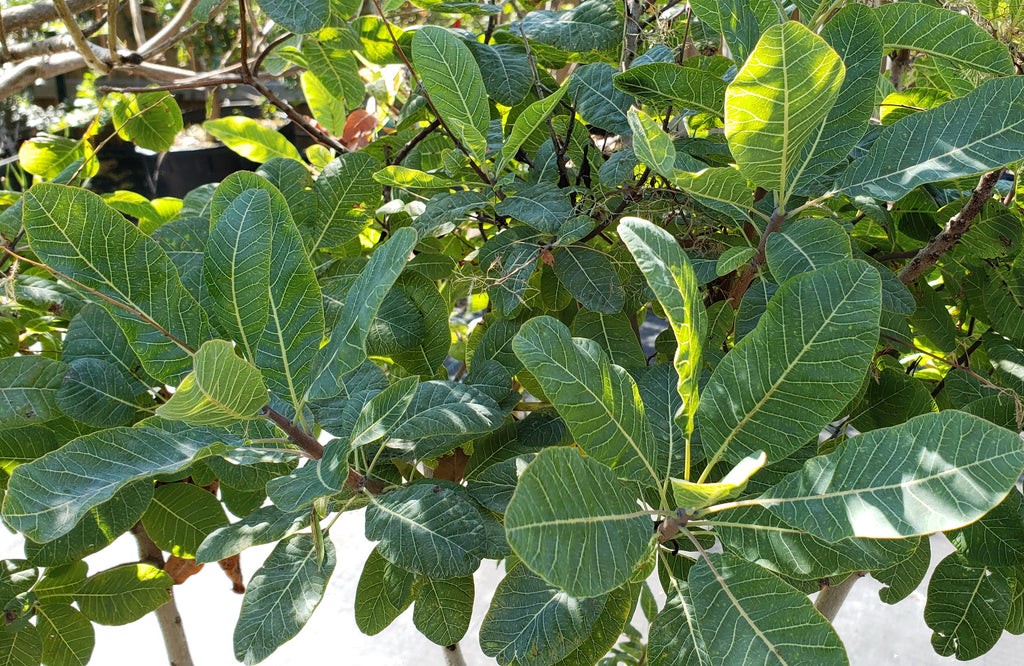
[436, 319]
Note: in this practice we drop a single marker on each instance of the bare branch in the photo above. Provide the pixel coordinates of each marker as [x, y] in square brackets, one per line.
[957, 226]
[38, 13]
[135, 10]
[81, 43]
[831, 597]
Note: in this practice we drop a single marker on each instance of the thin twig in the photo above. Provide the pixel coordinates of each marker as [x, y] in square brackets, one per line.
[84, 48]
[747, 277]
[954, 230]
[112, 31]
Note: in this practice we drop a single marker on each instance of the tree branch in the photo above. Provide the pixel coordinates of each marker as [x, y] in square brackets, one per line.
[831, 597]
[355, 481]
[954, 230]
[747, 277]
[38, 13]
[81, 43]
[167, 615]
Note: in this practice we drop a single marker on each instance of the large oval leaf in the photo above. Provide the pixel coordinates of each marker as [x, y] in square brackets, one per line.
[935, 472]
[452, 78]
[28, 390]
[665, 83]
[250, 139]
[942, 32]
[236, 265]
[347, 347]
[568, 514]
[46, 497]
[76, 233]
[223, 389]
[778, 100]
[124, 594]
[671, 278]
[967, 607]
[282, 596]
[980, 131]
[534, 623]
[181, 516]
[428, 529]
[804, 361]
[744, 610]
[599, 401]
[384, 592]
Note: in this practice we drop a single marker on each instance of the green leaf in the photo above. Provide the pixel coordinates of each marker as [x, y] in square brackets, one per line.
[509, 75]
[443, 609]
[151, 120]
[899, 105]
[598, 101]
[929, 460]
[698, 495]
[181, 516]
[347, 196]
[301, 16]
[95, 392]
[347, 347]
[534, 623]
[453, 81]
[67, 637]
[295, 325]
[980, 131]
[651, 144]
[236, 266]
[251, 140]
[97, 529]
[743, 609]
[60, 584]
[427, 357]
[124, 594]
[50, 156]
[997, 539]
[543, 206]
[593, 25]
[411, 179]
[327, 108]
[266, 524]
[526, 124]
[719, 184]
[223, 389]
[20, 648]
[599, 401]
[606, 630]
[568, 512]
[74, 232]
[778, 101]
[383, 593]
[733, 259]
[967, 607]
[281, 597]
[668, 271]
[758, 536]
[590, 277]
[46, 497]
[383, 412]
[427, 529]
[891, 398]
[440, 411]
[827, 318]
[856, 36]
[734, 20]
[615, 335]
[336, 69]
[28, 390]
[941, 32]
[905, 576]
[665, 83]
[805, 245]
[674, 638]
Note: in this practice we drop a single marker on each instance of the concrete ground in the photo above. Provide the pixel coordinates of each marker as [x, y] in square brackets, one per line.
[874, 633]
